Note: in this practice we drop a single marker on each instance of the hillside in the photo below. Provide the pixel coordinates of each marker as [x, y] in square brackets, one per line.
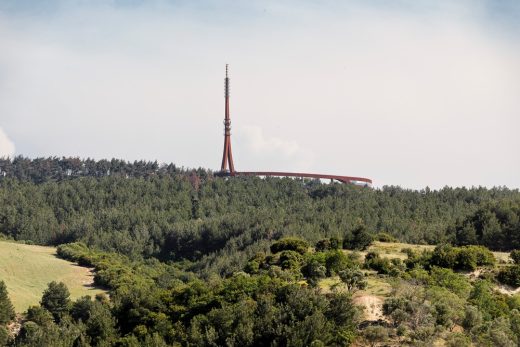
[191, 259]
[27, 269]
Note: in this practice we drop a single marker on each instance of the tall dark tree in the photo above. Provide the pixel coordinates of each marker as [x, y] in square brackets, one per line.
[360, 239]
[6, 307]
[56, 299]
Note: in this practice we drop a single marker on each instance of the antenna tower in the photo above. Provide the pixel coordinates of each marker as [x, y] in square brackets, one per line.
[227, 156]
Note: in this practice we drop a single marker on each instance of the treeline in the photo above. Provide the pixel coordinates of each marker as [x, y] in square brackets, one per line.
[41, 170]
[215, 224]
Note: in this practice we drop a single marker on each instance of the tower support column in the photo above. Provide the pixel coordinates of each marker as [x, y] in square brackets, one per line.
[227, 156]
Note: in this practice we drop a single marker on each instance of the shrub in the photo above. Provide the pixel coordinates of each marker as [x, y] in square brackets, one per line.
[466, 259]
[410, 253]
[290, 244]
[328, 244]
[375, 334]
[253, 265]
[314, 271]
[385, 237]
[510, 276]
[484, 256]
[515, 255]
[290, 260]
[490, 303]
[322, 245]
[444, 256]
[335, 243]
[446, 278]
[39, 315]
[360, 239]
[374, 261]
[461, 258]
[353, 279]
[458, 340]
[420, 275]
[336, 261]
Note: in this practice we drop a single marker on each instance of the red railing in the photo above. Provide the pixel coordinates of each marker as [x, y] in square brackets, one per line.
[344, 179]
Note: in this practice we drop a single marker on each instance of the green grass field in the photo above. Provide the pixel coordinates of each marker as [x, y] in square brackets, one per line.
[26, 271]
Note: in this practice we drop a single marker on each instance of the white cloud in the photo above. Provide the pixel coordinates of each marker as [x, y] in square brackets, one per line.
[6, 145]
[256, 148]
[259, 143]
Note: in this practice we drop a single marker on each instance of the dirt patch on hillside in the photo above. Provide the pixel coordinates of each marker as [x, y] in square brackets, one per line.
[373, 307]
[505, 289]
[14, 327]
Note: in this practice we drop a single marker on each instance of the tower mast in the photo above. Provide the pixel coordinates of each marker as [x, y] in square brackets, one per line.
[227, 156]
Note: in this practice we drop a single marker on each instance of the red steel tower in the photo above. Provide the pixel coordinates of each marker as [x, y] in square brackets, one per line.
[228, 169]
[227, 157]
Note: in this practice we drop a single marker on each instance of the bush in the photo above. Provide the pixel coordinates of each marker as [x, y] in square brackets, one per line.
[322, 245]
[353, 279]
[374, 261]
[335, 243]
[335, 261]
[490, 303]
[484, 256]
[510, 276]
[359, 240]
[290, 260]
[39, 315]
[385, 237]
[446, 278]
[515, 255]
[290, 244]
[466, 260]
[444, 256]
[458, 340]
[328, 244]
[253, 265]
[314, 271]
[420, 275]
[375, 334]
[461, 258]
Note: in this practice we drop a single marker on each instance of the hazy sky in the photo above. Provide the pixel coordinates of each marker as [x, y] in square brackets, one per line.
[417, 93]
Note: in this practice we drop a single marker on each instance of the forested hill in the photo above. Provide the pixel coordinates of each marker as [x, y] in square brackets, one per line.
[217, 224]
[190, 259]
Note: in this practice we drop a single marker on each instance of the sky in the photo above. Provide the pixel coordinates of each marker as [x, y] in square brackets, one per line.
[413, 93]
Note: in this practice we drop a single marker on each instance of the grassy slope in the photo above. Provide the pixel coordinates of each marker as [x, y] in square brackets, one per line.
[26, 270]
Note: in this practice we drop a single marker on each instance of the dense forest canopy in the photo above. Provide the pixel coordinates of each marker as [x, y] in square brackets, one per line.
[41, 170]
[194, 259]
[143, 209]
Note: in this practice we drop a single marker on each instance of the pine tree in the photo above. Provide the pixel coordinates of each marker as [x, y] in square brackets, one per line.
[6, 307]
[56, 299]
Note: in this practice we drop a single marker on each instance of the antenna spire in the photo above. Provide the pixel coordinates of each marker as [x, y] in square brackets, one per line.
[227, 156]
